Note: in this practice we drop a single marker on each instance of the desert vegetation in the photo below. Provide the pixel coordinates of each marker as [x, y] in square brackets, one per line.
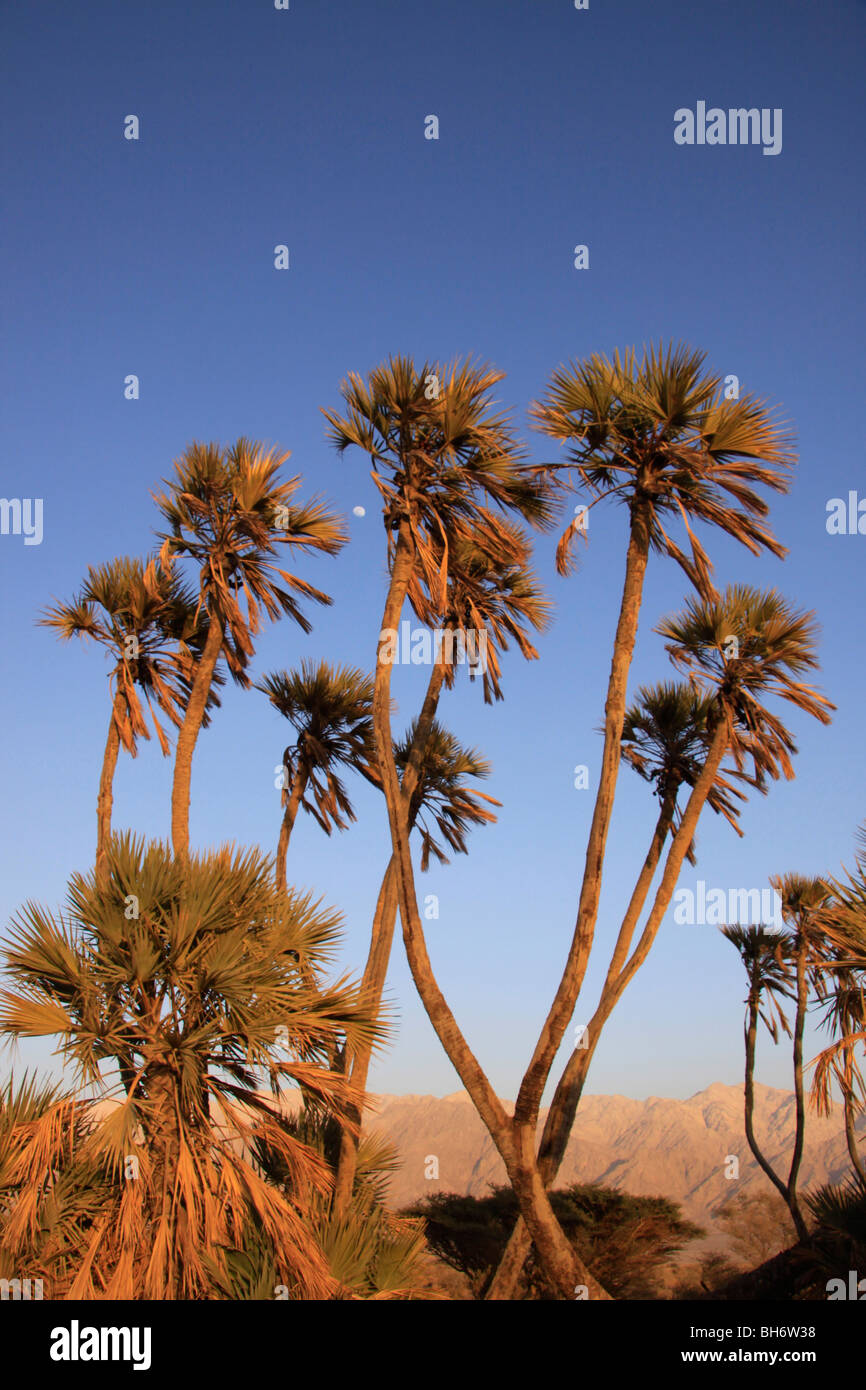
[207, 1141]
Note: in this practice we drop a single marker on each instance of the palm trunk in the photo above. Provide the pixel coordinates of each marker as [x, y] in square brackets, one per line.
[188, 734]
[381, 939]
[797, 1157]
[531, 1088]
[287, 826]
[751, 1034]
[372, 985]
[105, 800]
[567, 1097]
[850, 1131]
[563, 1268]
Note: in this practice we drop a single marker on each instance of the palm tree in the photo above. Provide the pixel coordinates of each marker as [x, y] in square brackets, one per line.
[330, 707]
[442, 803]
[213, 987]
[843, 921]
[802, 901]
[56, 1208]
[766, 955]
[144, 616]
[228, 513]
[656, 435]
[442, 461]
[737, 652]
[372, 1253]
[665, 738]
[845, 1015]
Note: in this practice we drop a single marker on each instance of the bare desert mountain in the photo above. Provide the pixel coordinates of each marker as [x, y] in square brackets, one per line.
[681, 1149]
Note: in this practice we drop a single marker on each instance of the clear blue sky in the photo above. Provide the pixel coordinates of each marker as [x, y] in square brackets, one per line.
[306, 127]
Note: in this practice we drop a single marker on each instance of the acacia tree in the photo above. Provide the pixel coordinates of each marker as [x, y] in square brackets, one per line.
[228, 512]
[330, 708]
[144, 616]
[212, 987]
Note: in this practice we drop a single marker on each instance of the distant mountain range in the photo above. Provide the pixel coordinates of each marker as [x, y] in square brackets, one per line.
[670, 1148]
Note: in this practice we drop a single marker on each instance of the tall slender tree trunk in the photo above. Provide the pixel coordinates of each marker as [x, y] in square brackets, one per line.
[751, 1036]
[287, 825]
[800, 1099]
[105, 800]
[188, 734]
[531, 1088]
[570, 1089]
[372, 985]
[850, 1131]
[566, 1098]
[562, 1266]
[381, 940]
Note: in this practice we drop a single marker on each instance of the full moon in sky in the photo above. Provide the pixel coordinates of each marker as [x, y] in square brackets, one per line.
[358, 511]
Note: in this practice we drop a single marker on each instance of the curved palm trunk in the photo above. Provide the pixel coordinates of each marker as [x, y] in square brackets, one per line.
[381, 940]
[287, 825]
[567, 1096]
[751, 1033]
[373, 985]
[797, 1157]
[187, 736]
[105, 800]
[561, 1264]
[529, 1096]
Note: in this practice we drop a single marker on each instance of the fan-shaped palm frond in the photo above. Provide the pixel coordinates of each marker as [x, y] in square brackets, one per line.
[202, 985]
[228, 513]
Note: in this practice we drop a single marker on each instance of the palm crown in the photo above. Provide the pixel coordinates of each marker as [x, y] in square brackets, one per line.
[656, 434]
[189, 996]
[144, 615]
[330, 708]
[442, 799]
[665, 739]
[439, 458]
[743, 650]
[227, 511]
[766, 957]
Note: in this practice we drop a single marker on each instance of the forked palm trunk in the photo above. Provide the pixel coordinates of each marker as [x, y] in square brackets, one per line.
[567, 1096]
[105, 800]
[287, 825]
[751, 1037]
[188, 734]
[564, 1269]
[529, 1095]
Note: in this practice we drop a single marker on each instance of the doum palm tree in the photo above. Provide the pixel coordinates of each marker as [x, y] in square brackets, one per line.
[766, 955]
[843, 921]
[443, 462]
[441, 803]
[330, 708]
[229, 514]
[738, 652]
[656, 435]
[145, 617]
